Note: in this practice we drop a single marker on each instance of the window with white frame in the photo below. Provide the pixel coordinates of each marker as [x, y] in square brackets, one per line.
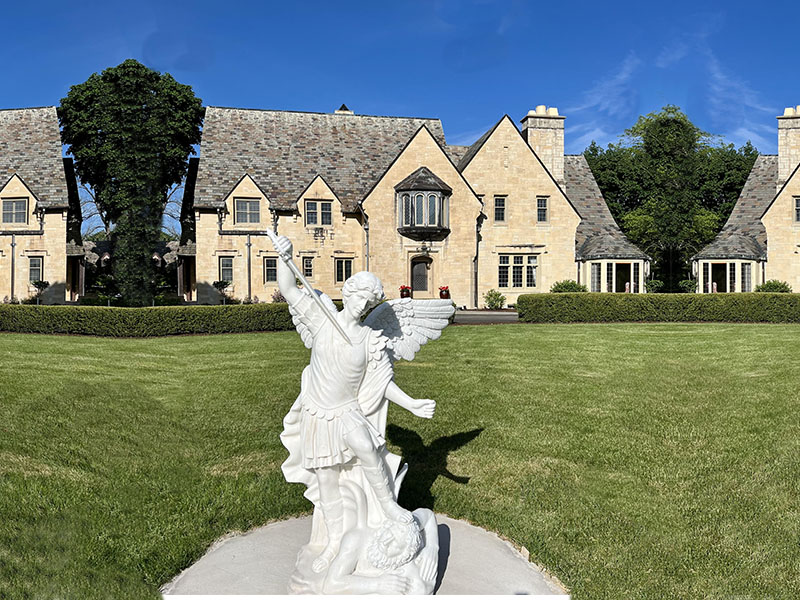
[318, 212]
[747, 285]
[732, 277]
[499, 209]
[636, 278]
[35, 268]
[15, 210]
[797, 209]
[422, 209]
[609, 277]
[542, 215]
[706, 287]
[270, 269]
[308, 266]
[247, 210]
[226, 268]
[596, 277]
[344, 269]
[517, 270]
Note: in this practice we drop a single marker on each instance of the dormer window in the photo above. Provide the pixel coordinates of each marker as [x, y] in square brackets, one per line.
[247, 210]
[15, 210]
[423, 206]
[319, 212]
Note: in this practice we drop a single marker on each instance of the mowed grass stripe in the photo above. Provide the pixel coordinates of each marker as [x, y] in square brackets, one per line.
[632, 460]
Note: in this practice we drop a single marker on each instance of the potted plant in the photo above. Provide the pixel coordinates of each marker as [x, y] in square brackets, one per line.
[444, 292]
[405, 291]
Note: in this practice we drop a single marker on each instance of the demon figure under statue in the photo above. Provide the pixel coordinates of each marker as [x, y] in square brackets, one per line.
[362, 541]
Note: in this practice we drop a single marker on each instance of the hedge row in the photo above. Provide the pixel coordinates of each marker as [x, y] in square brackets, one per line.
[604, 308]
[144, 322]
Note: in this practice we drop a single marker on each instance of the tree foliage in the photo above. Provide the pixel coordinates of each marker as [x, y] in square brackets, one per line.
[670, 186]
[131, 131]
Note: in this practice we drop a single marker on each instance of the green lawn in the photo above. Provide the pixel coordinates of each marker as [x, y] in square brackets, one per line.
[635, 461]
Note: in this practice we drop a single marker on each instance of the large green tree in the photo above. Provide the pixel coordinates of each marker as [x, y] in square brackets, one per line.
[670, 186]
[131, 131]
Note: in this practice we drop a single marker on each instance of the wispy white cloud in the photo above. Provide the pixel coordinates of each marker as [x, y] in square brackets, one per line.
[672, 53]
[726, 90]
[591, 131]
[614, 96]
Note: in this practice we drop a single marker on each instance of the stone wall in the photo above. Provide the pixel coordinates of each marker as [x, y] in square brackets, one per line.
[783, 236]
[391, 254]
[50, 246]
[506, 166]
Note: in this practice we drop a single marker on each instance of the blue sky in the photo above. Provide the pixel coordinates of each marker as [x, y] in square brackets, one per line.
[729, 66]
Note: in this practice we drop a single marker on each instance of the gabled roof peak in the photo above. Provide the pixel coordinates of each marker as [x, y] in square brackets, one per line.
[423, 179]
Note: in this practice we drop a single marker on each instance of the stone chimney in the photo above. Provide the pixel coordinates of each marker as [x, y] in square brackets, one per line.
[543, 129]
[343, 110]
[788, 143]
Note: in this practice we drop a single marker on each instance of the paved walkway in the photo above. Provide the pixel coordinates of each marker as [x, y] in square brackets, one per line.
[471, 561]
[484, 317]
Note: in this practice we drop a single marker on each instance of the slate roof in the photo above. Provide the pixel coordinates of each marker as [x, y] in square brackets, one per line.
[30, 146]
[283, 151]
[423, 179]
[456, 153]
[598, 235]
[744, 235]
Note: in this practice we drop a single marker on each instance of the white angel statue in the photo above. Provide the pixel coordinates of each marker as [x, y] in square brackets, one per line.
[335, 430]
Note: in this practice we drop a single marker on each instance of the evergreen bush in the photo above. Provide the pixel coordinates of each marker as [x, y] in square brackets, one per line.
[603, 308]
[774, 286]
[568, 285]
[494, 300]
[653, 286]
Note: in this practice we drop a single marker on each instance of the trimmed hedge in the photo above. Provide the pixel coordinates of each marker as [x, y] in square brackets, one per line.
[604, 308]
[144, 322]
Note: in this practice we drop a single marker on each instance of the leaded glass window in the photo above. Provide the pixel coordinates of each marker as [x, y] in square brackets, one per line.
[541, 209]
[247, 211]
[270, 270]
[502, 273]
[226, 268]
[15, 210]
[596, 277]
[35, 272]
[499, 208]
[344, 268]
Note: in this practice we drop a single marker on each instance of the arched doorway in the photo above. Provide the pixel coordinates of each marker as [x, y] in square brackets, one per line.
[421, 274]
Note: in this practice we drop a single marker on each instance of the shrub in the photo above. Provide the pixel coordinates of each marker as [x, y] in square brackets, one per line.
[688, 286]
[600, 308]
[494, 300]
[774, 286]
[653, 286]
[144, 322]
[277, 296]
[568, 285]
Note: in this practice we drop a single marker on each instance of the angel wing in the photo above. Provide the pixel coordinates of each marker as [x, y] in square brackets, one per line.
[307, 317]
[406, 324]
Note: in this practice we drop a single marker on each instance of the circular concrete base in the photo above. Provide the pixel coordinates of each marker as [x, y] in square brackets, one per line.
[261, 561]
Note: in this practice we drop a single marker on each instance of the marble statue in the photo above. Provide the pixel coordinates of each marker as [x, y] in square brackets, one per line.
[362, 540]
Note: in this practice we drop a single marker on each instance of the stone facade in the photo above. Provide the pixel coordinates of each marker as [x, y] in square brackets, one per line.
[350, 192]
[512, 181]
[40, 208]
[761, 239]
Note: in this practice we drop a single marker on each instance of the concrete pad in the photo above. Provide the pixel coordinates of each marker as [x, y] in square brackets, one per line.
[471, 561]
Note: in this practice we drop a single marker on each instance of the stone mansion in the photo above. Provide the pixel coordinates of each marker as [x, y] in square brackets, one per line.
[511, 212]
[389, 195]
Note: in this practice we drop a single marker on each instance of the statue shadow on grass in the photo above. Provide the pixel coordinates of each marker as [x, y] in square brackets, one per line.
[426, 463]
